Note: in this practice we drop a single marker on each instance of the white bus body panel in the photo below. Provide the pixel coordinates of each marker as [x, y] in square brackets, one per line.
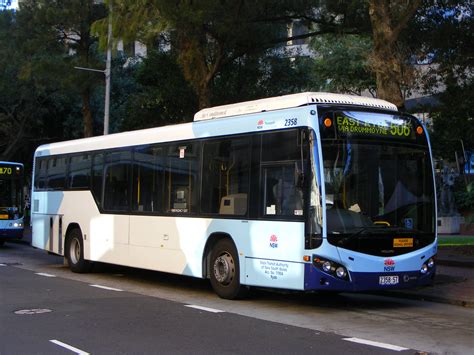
[279, 247]
[171, 244]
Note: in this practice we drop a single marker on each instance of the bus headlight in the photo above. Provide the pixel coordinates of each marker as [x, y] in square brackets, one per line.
[424, 269]
[341, 272]
[326, 266]
[330, 267]
[17, 225]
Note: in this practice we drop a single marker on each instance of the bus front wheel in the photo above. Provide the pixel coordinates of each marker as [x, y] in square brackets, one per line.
[75, 252]
[225, 271]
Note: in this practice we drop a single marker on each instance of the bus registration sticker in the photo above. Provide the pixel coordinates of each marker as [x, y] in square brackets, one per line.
[388, 280]
[403, 242]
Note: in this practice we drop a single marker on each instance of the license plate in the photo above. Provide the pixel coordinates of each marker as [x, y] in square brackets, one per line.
[388, 280]
[402, 242]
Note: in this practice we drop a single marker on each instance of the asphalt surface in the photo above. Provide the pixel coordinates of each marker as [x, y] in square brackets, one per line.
[432, 327]
[57, 316]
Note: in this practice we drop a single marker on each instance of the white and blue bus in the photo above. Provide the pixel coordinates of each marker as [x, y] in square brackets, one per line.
[312, 191]
[11, 201]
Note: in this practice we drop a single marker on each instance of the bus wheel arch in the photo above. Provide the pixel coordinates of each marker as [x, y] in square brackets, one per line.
[223, 267]
[74, 250]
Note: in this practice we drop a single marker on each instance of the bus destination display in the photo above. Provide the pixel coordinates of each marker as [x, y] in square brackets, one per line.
[9, 170]
[374, 125]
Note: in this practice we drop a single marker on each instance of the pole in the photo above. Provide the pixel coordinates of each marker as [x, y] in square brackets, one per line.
[107, 72]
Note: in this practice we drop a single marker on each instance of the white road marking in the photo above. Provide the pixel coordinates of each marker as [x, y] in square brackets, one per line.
[33, 311]
[69, 347]
[213, 310]
[376, 343]
[107, 288]
[45, 274]
[2, 265]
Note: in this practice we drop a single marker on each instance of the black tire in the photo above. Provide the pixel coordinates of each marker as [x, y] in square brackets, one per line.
[75, 252]
[225, 271]
[2, 243]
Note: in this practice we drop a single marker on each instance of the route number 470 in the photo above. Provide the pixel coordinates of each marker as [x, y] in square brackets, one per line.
[291, 122]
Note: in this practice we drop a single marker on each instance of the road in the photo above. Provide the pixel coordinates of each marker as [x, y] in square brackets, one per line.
[124, 310]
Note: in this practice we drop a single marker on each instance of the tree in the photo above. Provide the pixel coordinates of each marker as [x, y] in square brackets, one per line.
[389, 18]
[208, 35]
[71, 21]
[441, 38]
[161, 95]
[453, 120]
[342, 64]
[31, 106]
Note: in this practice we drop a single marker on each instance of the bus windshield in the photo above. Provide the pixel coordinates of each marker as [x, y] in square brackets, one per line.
[376, 185]
[11, 196]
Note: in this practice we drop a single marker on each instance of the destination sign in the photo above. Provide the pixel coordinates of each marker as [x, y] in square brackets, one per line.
[372, 124]
[10, 170]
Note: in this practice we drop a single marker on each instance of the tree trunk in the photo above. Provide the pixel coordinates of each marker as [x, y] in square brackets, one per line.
[386, 60]
[204, 95]
[86, 113]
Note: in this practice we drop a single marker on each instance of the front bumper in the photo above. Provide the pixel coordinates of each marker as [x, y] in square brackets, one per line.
[315, 279]
[11, 233]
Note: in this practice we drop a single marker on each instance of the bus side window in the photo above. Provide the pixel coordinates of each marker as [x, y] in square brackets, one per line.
[56, 173]
[282, 196]
[282, 160]
[147, 194]
[226, 171]
[97, 177]
[41, 168]
[182, 180]
[79, 171]
[117, 180]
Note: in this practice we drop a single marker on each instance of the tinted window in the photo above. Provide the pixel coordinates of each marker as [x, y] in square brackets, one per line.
[181, 177]
[41, 169]
[281, 195]
[97, 176]
[80, 171]
[56, 173]
[148, 180]
[117, 180]
[281, 170]
[226, 170]
[281, 146]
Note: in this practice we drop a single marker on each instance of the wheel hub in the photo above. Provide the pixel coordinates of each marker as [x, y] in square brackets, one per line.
[75, 251]
[224, 269]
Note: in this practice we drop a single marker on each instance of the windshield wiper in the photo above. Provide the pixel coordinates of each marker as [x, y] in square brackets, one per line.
[359, 232]
[398, 229]
[378, 229]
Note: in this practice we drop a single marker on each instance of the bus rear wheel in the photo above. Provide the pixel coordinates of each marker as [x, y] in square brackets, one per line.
[225, 271]
[75, 252]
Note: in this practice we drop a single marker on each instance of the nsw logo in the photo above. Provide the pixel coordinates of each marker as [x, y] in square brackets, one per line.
[389, 265]
[273, 241]
[260, 124]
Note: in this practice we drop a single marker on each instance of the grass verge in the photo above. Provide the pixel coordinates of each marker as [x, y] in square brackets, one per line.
[454, 240]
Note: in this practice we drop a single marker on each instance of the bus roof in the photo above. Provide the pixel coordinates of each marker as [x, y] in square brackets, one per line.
[11, 163]
[287, 101]
[185, 131]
